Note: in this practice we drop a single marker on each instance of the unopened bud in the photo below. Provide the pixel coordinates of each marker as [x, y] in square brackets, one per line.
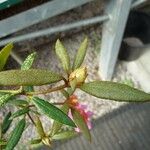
[46, 141]
[79, 75]
[73, 100]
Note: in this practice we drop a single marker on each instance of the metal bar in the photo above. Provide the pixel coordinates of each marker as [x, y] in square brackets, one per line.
[137, 3]
[113, 30]
[60, 28]
[112, 33]
[37, 14]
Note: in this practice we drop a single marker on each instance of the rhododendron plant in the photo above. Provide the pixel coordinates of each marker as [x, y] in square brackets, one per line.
[30, 106]
[82, 109]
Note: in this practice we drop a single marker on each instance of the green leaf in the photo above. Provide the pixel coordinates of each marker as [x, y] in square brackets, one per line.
[28, 88]
[16, 135]
[35, 141]
[65, 135]
[57, 125]
[52, 111]
[28, 77]
[115, 91]
[80, 54]
[81, 124]
[27, 64]
[6, 123]
[20, 113]
[65, 93]
[4, 54]
[39, 127]
[62, 54]
[18, 102]
[4, 98]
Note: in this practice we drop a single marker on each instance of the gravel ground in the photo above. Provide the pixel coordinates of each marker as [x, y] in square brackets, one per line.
[47, 59]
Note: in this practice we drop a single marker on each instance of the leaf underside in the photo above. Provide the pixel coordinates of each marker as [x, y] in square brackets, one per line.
[28, 77]
[62, 54]
[80, 54]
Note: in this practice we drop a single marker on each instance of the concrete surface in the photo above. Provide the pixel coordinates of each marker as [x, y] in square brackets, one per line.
[140, 68]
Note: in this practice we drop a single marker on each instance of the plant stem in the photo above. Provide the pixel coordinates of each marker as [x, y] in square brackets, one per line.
[46, 91]
[12, 91]
[58, 103]
[66, 82]
[31, 118]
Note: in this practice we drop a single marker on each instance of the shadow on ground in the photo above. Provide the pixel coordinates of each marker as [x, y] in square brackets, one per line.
[127, 128]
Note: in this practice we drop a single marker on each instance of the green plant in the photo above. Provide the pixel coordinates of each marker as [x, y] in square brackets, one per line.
[69, 113]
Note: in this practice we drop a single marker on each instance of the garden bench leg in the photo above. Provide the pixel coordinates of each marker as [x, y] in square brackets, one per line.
[112, 33]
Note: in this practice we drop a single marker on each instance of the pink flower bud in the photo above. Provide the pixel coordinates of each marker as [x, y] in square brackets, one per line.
[82, 109]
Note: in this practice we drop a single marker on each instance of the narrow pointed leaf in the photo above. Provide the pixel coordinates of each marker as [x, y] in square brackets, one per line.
[27, 64]
[5, 98]
[63, 56]
[20, 113]
[81, 124]
[80, 54]
[6, 123]
[115, 91]
[39, 127]
[64, 135]
[35, 141]
[15, 135]
[28, 77]
[18, 102]
[4, 54]
[36, 144]
[52, 111]
[57, 125]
